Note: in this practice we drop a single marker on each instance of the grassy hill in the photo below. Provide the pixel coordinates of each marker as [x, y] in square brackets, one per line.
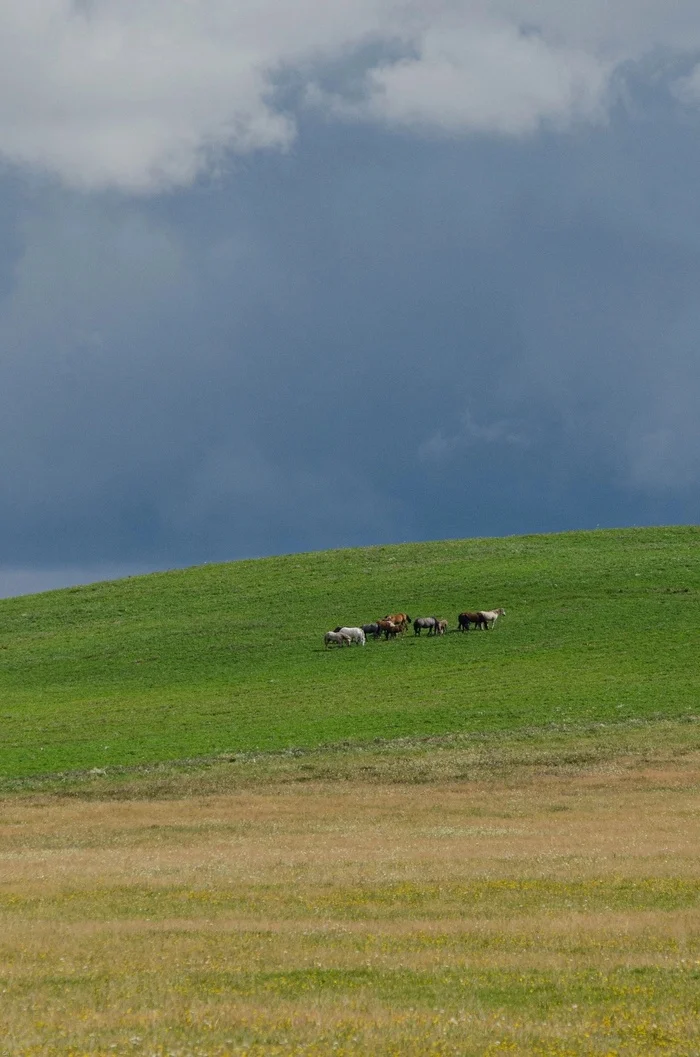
[600, 626]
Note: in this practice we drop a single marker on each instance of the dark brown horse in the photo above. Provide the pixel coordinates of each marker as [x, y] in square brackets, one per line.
[466, 619]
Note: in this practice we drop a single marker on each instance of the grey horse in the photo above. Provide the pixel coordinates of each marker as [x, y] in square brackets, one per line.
[423, 623]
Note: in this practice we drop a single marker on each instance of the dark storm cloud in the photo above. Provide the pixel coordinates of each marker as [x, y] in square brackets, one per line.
[371, 337]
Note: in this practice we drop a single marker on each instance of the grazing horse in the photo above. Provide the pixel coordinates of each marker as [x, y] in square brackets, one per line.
[372, 629]
[465, 619]
[337, 637]
[389, 628]
[420, 623]
[402, 620]
[353, 634]
[490, 616]
[441, 627]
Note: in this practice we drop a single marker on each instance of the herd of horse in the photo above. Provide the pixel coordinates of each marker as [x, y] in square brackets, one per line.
[395, 624]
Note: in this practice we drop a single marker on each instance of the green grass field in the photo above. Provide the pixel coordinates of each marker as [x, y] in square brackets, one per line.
[600, 627]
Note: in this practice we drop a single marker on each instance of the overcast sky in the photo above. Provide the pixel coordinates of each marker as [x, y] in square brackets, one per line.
[281, 275]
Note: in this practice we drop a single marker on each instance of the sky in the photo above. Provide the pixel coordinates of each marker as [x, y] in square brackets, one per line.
[303, 274]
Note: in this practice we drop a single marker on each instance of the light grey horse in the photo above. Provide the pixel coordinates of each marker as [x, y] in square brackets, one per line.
[339, 638]
[490, 616]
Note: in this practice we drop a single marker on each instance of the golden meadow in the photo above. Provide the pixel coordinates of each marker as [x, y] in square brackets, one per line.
[548, 904]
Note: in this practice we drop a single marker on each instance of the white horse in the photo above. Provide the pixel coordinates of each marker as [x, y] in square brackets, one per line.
[337, 637]
[354, 635]
[490, 616]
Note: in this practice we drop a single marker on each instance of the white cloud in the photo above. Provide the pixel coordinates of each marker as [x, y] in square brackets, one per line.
[687, 88]
[488, 76]
[146, 94]
[143, 95]
[442, 445]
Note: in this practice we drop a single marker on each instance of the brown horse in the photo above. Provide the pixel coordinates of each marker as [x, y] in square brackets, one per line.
[389, 628]
[402, 620]
[477, 619]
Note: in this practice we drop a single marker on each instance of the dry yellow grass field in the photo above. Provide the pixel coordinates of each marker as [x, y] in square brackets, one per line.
[498, 902]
